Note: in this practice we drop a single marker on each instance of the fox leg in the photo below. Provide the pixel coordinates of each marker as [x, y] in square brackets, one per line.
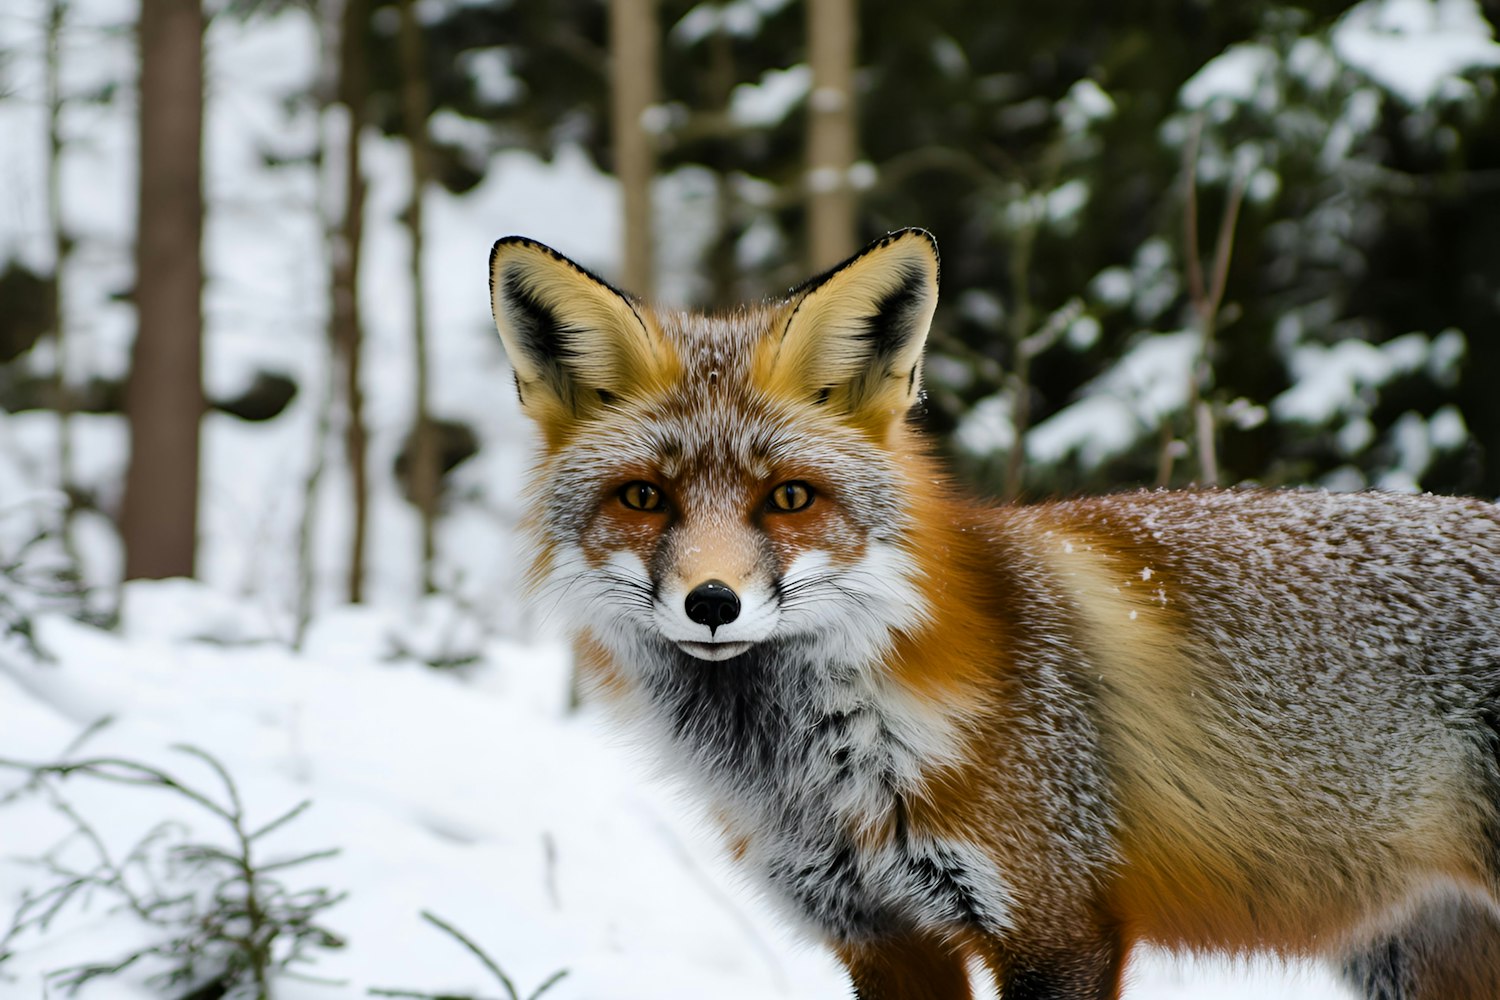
[1086, 970]
[911, 966]
[1450, 950]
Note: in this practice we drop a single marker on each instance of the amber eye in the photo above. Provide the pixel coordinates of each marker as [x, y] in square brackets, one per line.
[794, 495]
[640, 496]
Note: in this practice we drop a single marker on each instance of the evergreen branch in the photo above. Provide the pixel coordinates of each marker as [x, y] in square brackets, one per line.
[479, 953]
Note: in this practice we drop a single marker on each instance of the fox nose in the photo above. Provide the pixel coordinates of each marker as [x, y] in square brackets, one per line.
[712, 604]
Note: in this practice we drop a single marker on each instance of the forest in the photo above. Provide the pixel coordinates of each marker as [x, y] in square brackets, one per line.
[261, 458]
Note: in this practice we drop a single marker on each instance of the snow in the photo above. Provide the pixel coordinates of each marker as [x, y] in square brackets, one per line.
[1236, 76]
[1360, 114]
[983, 307]
[1059, 207]
[1336, 384]
[1150, 381]
[764, 104]
[738, 18]
[1113, 286]
[1416, 49]
[1447, 429]
[1085, 104]
[445, 792]
[1065, 201]
[1312, 61]
[1446, 354]
[1083, 333]
[490, 69]
[1332, 379]
[1156, 281]
[987, 428]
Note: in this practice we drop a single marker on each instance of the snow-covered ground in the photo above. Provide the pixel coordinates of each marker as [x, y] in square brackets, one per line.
[476, 797]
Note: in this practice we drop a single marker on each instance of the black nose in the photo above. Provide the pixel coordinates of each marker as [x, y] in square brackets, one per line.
[712, 604]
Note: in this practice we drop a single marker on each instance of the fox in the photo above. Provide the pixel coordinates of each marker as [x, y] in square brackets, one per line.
[942, 735]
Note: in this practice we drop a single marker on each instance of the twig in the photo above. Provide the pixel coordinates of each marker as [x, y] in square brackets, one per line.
[281, 820]
[479, 953]
[89, 732]
[121, 772]
[1206, 301]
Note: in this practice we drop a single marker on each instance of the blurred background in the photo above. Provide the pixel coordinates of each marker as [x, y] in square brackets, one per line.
[245, 338]
[1183, 242]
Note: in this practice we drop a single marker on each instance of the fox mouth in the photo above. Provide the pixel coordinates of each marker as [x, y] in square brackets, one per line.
[715, 651]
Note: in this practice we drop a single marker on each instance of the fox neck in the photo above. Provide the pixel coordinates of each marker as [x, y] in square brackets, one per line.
[965, 571]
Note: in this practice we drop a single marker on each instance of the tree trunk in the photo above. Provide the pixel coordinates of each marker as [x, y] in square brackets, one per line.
[164, 397]
[831, 231]
[63, 398]
[723, 263]
[346, 331]
[416, 104]
[634, 60]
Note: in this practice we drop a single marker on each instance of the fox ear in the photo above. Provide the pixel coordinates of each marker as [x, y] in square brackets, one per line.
[576, 343]
[854, 338]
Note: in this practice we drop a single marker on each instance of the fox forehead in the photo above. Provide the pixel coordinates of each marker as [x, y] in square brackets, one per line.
[714, 415]
[718, 440]
[712, 402]
[709, 403]
[718, 347]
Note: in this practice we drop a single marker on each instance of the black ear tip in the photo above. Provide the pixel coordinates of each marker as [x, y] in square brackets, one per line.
[916, 233]
[519, 241]
[504, 241]
[527, 243]
[911, 233]
[524, 242]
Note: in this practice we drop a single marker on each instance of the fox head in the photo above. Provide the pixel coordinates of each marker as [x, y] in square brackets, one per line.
[714, 485]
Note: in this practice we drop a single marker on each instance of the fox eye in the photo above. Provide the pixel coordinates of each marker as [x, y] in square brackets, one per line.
[640, 496]
[791, 496]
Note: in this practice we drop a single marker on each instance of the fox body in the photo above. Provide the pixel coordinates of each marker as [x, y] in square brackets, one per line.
[937, 732]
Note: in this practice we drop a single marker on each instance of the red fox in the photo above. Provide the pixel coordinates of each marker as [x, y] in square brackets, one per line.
[940, 734]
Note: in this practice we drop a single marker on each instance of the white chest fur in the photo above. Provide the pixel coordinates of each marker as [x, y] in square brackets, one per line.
[811, 764]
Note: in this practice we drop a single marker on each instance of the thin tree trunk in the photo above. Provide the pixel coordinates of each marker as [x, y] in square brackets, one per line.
[831, 40]
[723, 270]
[1025, 342]
[330, 217]
[634, 65]
[1018, 327]
[416, 104]
[63, 399]
[164, 397]
[1206, 299]
[347, 333]
[307, 570]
